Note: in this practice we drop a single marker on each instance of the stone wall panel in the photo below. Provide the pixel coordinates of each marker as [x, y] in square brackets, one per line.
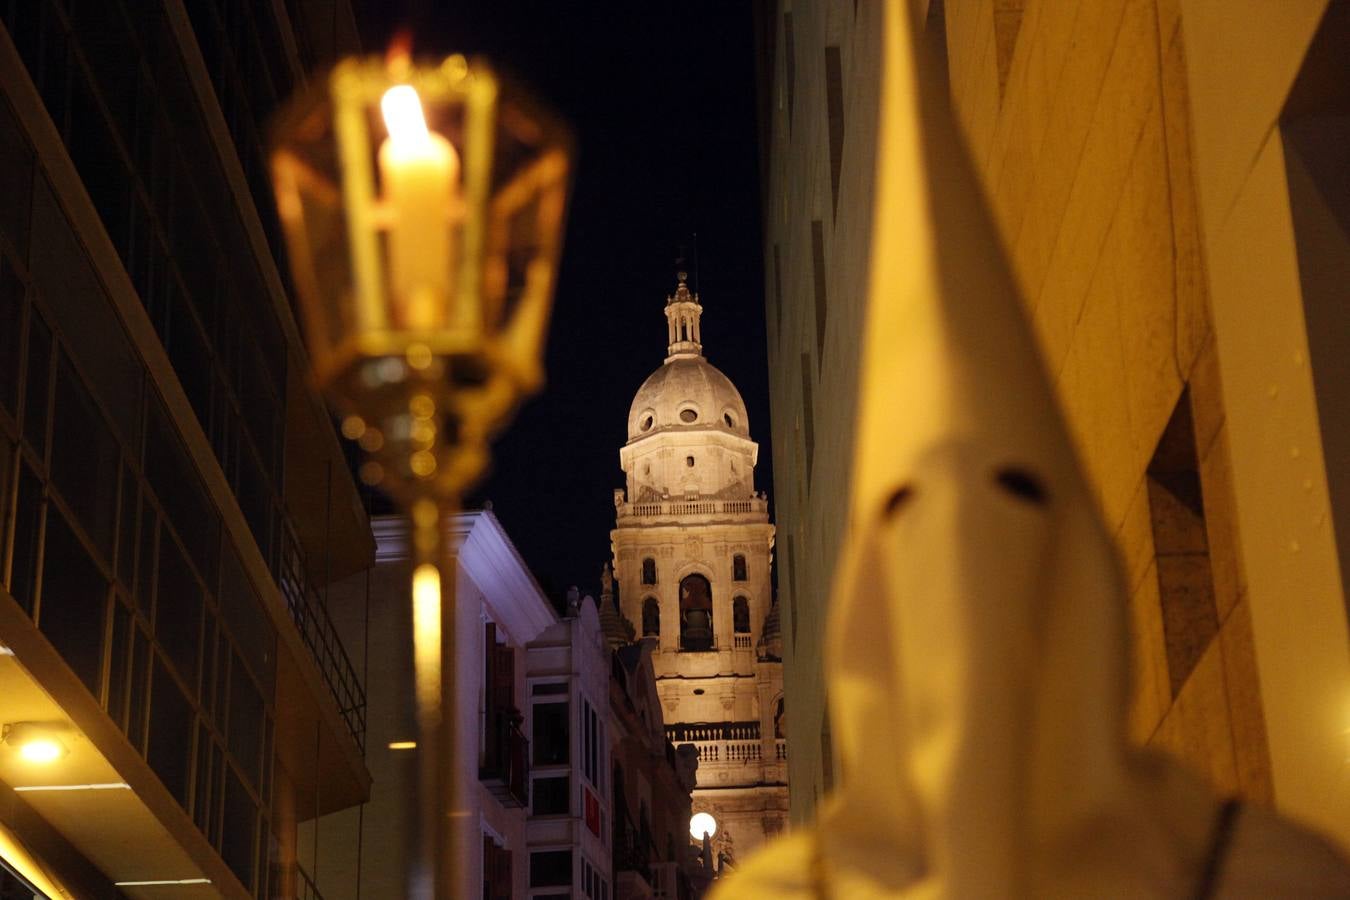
[1150, 694]
[1197, 726]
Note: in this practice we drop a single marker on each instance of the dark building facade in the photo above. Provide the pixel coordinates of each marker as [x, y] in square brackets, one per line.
[652, 787]
[173, 498]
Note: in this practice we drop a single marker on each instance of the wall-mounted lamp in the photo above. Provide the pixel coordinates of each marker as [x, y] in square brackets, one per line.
[39, 743]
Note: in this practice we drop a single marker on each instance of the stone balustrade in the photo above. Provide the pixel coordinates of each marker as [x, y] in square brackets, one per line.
[705, 732]
[672, 509]
[728, 753]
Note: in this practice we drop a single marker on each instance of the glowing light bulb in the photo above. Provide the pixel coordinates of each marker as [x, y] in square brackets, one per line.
[700, 824]
[42, 750]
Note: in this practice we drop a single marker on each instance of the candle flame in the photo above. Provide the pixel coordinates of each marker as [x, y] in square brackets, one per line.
[402, 110]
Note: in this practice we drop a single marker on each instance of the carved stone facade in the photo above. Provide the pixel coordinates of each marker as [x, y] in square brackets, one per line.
[693, 549]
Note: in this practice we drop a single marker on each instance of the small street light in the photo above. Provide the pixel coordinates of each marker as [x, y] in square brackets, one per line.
[423, 206]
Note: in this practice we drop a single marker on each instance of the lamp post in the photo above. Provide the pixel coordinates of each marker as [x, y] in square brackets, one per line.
[423, 209]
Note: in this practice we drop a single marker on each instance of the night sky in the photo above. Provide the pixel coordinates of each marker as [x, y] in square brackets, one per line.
[662, 99]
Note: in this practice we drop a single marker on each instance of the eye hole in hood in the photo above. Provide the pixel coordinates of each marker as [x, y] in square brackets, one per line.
[1022, 485]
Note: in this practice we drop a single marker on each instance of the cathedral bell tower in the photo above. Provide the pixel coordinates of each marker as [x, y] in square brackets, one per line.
[692, 554]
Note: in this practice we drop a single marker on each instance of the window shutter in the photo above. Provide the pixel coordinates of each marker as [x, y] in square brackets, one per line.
[501, 875]
[503, 677]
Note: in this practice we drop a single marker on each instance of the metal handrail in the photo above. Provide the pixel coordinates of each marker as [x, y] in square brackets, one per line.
[305, 888]
[316, 628]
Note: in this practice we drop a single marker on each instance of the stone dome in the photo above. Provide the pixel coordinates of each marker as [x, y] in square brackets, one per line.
[687, 392]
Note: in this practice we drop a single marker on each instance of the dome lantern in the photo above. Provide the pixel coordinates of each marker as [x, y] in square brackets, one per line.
[683, 312]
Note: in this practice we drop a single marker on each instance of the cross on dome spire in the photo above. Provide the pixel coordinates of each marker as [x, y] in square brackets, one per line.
[683, 312]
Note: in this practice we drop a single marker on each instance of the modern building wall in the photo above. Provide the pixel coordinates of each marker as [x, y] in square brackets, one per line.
[819, 76]
[172, 496]
[1137, 158]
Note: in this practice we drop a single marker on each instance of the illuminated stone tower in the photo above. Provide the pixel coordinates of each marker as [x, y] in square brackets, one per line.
[692, 555]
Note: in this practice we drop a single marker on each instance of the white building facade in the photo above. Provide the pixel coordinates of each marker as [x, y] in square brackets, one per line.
[692, 557]
[499, 610]
[568, 834]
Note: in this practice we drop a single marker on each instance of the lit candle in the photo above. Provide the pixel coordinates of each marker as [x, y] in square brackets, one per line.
[420, 170]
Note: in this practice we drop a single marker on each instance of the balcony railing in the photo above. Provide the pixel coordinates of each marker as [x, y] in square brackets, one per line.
[712, 731]
[320, 636]
[669, 509]
[721, 743]
[731, 752]
[630, 855]
[305, 889]
[505, 769]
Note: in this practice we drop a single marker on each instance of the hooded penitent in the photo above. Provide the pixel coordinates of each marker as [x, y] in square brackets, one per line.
[976, 647]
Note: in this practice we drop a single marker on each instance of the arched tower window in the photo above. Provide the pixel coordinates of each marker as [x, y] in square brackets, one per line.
[740, 615]
[649, 571]
[738, 567]
[696, 632]
[651, 618]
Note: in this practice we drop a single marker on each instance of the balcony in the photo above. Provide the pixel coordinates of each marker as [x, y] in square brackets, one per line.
[730, 753]
[706, 732]
[753, 509]
[321, 638]
[505, 769]
[630, 854]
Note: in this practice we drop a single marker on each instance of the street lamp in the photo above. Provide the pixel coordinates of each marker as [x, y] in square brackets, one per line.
[423, 209]
[702, 825]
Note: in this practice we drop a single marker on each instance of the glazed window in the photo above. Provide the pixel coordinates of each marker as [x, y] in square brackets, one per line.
[740, 615]
[649, 571]
[696, 632]
[651, 618]
[552, 796]
[738, 567]
[688, 415]
[551, 741]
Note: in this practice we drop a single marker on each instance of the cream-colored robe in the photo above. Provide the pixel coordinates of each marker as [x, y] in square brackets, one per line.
[975, 651]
